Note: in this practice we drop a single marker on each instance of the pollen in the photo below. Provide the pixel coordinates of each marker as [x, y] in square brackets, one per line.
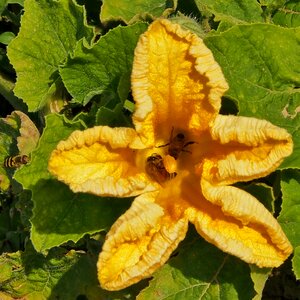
[170, 164]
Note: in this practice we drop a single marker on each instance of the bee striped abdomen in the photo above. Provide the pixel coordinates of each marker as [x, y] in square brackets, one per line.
[15, 161]
[156, 170]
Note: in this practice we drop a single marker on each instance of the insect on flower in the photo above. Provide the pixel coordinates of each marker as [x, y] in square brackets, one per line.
[156, 170]
[15, 161]
[177, 144]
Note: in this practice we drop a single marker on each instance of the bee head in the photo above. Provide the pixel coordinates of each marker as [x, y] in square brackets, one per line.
[180, 136]
[153, 157]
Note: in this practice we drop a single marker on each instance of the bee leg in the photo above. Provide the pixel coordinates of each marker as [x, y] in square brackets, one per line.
[186, 144]
[189, 143]
[165, 145]
[171, 138]
[188, 151]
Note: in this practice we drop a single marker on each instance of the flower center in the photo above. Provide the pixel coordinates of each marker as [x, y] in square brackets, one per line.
[162, 168]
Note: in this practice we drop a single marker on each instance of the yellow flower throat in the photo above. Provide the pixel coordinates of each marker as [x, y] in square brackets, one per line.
[160, 167]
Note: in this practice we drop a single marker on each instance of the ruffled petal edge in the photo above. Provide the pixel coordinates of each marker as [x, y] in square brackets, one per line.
[244, 228]
[249, 148]
[139, 242]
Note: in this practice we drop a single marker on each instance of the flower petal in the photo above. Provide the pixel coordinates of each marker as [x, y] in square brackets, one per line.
[175, 80]
[248, 148]
[99, 161]
[239, 224]
[138, 243]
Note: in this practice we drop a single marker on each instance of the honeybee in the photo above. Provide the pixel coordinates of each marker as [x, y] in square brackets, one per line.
[177, 144]
[15, 161]
[156, 170]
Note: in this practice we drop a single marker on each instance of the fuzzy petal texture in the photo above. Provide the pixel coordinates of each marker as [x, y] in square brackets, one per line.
[175, 80]
[100, 161]
[239, 224]
[138, 243]
[246, 149]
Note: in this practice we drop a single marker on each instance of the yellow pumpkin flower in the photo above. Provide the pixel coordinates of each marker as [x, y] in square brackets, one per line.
[180, 160]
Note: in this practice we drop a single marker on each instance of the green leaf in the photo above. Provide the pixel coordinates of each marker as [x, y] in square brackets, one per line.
[263, 77]
[130, 10]
[259, 277]
[21, 2]
[6, 37]
[49, 32]
[129, 105]
[290, 213]
[68, 216]
[188, 24]
[289, 15]
[296, 262]
[80, 280]
[2, 6]
[92, 71]
[234, 12]
[33, 276]
[14, 232]
[61, 274]
[24, 207]
[293, 161]
[200, 271]
[289, 217]
[262, 192]
[112, 117]
[6, 89]
[270, 6]
[272, 3]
